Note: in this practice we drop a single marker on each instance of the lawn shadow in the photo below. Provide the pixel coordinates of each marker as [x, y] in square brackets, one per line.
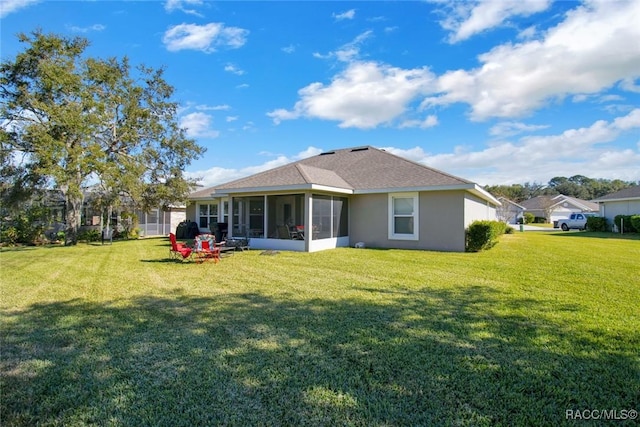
[428, 357]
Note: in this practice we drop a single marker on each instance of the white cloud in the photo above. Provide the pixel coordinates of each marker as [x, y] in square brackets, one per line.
[466, 19]
[218, 175]
[233, 69]
[349, 14]
[171, 5]
[94, 27]
[584, 151]
[288, 49]
[594, 48]
[198, 125]
[11, 6]
[364, 96]
[429, 121]
[205, 38]
[349, 51]
[505, 129]
[230, 119]
[222, 107]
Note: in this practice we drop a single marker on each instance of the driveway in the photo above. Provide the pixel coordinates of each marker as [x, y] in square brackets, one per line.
[529, 227]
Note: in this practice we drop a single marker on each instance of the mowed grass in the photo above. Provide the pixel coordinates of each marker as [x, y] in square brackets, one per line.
[118, 335]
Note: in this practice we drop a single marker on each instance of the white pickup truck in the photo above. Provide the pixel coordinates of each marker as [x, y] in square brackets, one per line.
[575, 220]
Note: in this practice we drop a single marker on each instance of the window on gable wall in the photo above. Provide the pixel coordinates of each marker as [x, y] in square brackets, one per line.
[403, 216]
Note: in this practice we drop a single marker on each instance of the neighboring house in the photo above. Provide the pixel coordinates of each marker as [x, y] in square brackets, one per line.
[161, 222]
[623, 202]
[553, 208]
[343, 197]
[510, 211]
[156, 222]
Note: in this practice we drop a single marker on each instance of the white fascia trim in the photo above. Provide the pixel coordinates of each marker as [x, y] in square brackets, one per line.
[625, 199]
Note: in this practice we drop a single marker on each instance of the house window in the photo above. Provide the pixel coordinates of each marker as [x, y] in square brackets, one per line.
[403, 216]
[207, 214]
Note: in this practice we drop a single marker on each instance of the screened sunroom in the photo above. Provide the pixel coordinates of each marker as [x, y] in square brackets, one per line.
[297, 221]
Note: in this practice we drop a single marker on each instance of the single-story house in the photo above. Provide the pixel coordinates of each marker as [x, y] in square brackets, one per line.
[623, 202]
[554, 208]
[344, 197]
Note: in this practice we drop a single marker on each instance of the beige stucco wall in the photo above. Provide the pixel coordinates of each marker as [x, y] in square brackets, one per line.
[442, 221]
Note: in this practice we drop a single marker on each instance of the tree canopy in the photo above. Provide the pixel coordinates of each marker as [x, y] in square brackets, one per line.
[69, 121]
[578, 186]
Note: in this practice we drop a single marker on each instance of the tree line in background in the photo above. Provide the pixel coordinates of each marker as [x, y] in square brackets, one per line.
[578, 186]
[69, 121]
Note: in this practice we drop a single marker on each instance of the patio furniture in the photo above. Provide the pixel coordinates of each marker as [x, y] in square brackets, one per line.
[283, 232]
[206, 249]
[241, 243]
[179, 250]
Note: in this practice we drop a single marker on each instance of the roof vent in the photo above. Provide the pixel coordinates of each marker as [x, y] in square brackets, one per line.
[327, 152]
[353, 150]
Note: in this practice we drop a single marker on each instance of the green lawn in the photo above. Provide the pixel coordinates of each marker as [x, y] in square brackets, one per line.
[119, 335]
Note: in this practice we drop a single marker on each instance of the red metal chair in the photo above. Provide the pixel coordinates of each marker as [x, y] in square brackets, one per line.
[179, 250]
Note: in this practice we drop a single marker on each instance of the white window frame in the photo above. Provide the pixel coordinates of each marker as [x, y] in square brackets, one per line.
[415, 196]
[211, 217]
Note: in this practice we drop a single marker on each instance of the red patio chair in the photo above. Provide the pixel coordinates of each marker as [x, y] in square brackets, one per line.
[179, 250]
[205, 251]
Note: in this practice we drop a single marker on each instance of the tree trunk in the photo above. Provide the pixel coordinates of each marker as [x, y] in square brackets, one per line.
[74, 206]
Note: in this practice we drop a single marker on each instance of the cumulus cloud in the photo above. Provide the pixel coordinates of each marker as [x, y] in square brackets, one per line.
[466, 19]
[198, 125]
[537, 158]
[206, 38]
[363, 96]
[219, 175]
[11, 6]
[593, 49]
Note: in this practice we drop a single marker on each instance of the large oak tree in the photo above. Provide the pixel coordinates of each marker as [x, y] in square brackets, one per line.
[72, 120]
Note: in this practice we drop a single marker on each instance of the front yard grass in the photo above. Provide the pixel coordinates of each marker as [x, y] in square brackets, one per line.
[542, 324]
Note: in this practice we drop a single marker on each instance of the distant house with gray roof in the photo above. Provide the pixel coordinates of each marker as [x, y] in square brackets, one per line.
[554, 208]
[342, 197]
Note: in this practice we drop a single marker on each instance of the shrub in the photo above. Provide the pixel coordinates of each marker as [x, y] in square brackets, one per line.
[9, 236]
[484, 234]
[635, 221]
[625, 223]
[529, 217]
[89, 235]
[596, 223]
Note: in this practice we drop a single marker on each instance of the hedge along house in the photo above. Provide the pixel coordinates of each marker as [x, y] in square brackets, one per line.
[342, 197]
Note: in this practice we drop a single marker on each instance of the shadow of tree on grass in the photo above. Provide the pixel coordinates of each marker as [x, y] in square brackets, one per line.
[418, 358]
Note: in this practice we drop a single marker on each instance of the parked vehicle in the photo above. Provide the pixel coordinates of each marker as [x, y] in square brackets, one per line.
[576, 220]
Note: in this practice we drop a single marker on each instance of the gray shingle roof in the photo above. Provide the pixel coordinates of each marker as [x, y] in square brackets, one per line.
[543, 202]
[627, 193]
[362, 168]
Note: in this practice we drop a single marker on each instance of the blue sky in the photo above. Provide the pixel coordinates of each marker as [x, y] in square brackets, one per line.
[498, 92]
